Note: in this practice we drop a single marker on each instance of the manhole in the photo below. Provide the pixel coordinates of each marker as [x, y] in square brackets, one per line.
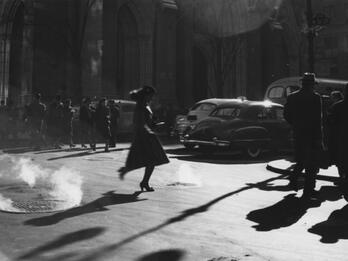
[20, 198]
[40, 206]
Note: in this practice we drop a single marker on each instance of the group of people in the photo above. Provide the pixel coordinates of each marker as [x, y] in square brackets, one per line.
[53, 124]
[320, 134]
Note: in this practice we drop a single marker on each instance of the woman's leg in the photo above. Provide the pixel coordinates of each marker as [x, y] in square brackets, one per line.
[144, 184]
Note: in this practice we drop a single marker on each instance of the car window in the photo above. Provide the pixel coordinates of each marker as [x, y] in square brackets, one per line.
[204, 107]
[276, 92]
[230, 112]
[252, 112]
[292, 88]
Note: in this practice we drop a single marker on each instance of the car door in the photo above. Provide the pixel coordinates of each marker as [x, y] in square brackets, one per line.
[278, 128]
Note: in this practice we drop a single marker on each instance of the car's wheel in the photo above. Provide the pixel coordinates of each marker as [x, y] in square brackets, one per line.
[189, 146]
[253, 152]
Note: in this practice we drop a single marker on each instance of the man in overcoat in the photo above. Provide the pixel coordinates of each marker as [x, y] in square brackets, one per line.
[303, 111]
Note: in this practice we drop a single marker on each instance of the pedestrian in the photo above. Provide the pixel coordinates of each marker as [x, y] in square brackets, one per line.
[53, 121]
[303, 111]
[67, 122]
[146, 150]
[102, 122]
[114, 116]
[34, 117]
[338, 122]
[86, 125]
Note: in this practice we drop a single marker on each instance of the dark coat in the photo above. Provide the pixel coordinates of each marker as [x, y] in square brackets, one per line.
[67, 118]
[303, 111]
[146, 149]
[102, 122]
[338, 121]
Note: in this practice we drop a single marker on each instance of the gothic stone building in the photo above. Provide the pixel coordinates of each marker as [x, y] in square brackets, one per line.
[106, 48]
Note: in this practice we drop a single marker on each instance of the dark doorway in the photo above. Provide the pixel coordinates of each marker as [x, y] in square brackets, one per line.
[127, 52]
[16, 47]
[200, 75]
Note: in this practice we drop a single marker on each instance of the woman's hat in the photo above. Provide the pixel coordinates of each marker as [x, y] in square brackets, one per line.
[141, 92]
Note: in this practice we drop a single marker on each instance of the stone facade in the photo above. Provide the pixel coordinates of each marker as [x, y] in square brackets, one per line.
[108, 47]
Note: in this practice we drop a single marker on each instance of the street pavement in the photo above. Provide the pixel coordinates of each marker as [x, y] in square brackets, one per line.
[205, 207]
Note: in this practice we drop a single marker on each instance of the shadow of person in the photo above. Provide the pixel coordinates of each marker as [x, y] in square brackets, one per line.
[82, 154]
[168, 255]
[334, 228]
[108, 199]
[67, 239]
[282, 214]
[290, 209]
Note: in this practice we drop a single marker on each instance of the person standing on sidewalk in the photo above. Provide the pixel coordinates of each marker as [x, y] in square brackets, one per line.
[67, 122]
[339, 134]
[146, 150]
[303, 111]
[34, 116]
[114, 116]
[102, 122]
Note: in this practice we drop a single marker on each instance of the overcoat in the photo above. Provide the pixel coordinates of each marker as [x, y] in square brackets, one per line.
[303, 111]
[102, 122]
[338, 121]
[146, 149]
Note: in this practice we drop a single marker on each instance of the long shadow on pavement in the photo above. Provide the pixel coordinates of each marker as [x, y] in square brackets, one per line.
[107, 250]
[334, 228]
[82, 154]
[67, 239]
[108, 199]
[289, 210]
[227, 158]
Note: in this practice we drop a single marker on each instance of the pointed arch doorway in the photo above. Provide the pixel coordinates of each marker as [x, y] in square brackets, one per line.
[128, 53]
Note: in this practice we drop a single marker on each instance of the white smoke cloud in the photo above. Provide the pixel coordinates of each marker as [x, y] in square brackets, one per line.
[63, 185]
[186, 175]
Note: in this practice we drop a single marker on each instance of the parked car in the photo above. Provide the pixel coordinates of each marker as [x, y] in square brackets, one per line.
[279, 90]
[249, 126]
[198, 112]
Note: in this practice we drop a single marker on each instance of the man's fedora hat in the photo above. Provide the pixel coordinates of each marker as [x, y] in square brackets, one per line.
[308, 78]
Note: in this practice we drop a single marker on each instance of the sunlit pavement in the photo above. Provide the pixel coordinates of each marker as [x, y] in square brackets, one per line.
[218, 207]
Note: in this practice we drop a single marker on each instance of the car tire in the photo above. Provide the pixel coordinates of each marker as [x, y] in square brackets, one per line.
[189, 146]
[253, 152]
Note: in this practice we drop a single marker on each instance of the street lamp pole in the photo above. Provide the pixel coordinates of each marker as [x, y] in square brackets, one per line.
[311, 35]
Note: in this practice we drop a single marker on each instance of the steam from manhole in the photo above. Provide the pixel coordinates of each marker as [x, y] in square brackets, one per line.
[185, 177]
[27, 187]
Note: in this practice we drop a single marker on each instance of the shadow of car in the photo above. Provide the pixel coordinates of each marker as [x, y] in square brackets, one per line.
[248, 126]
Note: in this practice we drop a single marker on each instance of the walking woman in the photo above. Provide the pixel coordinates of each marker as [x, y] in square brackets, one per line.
[146, 150]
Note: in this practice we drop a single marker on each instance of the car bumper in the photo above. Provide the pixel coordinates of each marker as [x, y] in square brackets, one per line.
[215, 143]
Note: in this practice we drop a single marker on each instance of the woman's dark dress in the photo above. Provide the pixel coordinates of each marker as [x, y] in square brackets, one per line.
[146, 149]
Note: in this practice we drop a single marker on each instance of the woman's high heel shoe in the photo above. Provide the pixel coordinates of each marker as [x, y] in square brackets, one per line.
[146, 187]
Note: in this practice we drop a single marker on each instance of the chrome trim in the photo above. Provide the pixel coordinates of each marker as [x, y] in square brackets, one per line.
[217, 143]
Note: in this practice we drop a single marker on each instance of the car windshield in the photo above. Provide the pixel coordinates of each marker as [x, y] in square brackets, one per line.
[229, 112]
